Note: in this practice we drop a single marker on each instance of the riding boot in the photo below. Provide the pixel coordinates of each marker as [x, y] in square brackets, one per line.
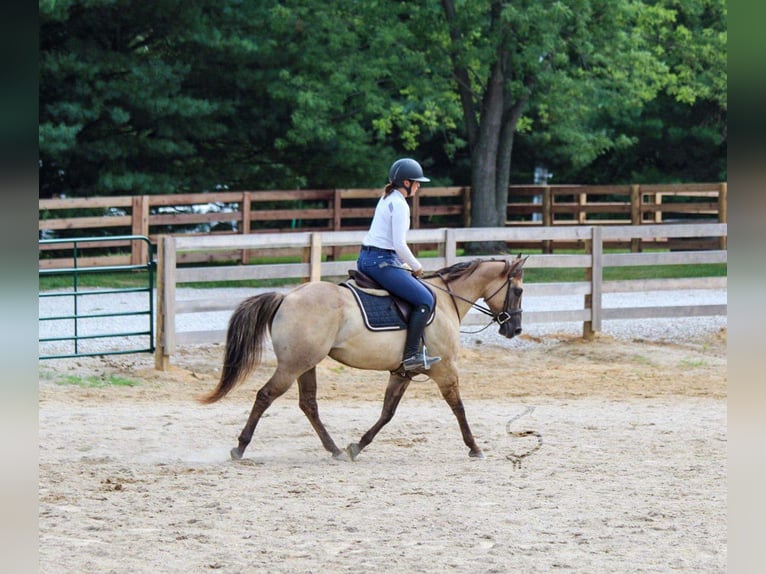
[414, 358]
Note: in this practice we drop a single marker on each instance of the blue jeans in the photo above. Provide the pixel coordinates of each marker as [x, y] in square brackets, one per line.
[386, 268]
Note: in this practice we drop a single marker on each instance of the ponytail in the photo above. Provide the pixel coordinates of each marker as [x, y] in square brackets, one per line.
[388, 189]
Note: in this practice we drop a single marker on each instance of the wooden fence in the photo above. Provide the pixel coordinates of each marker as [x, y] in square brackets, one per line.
[315, 267]
[249, 212]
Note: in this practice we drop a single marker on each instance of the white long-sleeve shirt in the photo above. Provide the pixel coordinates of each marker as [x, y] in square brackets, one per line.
[389, 227]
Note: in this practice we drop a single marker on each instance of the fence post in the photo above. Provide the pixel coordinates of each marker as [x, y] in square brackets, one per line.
[594, 274]
[658, 209]
[582, 202]
[166, 295]
[723, 211]
[450, 247]
[337, 221]
[466, 206]
[416, 211]
[547, 216]
[139, 226]
[415, 217]
[635, 216]
[246, 219]
[315, 257]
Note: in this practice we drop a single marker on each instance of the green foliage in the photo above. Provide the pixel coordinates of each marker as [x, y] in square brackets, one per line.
[668, 124]
[172, 96]
[145, 98]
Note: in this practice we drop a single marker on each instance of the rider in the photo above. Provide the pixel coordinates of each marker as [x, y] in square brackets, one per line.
[384, 253]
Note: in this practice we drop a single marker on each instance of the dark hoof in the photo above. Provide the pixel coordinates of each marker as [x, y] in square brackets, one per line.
[476, 454]
[353, 450]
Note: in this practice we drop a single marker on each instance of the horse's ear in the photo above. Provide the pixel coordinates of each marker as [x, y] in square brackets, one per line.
[519, 261]
[517, 264]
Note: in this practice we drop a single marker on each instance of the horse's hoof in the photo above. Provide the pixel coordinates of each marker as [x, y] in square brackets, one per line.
[340, 455]
[476, 454]
[236, 454]
[353, 450]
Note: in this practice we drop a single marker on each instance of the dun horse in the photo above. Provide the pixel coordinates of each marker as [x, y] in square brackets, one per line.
[321, 318]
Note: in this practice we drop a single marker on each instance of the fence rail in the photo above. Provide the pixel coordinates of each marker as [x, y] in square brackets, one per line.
[251, 212]
[315, 267]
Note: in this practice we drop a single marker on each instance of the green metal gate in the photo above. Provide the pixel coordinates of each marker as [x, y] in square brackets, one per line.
[77, 295]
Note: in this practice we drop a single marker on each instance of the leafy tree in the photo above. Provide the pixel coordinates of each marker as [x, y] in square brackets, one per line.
[189, 96]
[681, 134]
[550, 67]
[157, 97]
[358, 87]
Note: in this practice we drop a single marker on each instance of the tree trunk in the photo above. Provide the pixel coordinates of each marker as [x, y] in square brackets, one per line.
[503, 172]
[490, 134]
[505, 149]
[488, 170]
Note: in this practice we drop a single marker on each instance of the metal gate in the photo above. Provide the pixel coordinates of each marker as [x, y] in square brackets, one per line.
[85, 324]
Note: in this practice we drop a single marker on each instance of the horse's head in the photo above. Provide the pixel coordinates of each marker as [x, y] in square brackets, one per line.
[505, 300]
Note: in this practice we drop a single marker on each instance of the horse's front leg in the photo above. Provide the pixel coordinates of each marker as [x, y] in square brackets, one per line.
[307, 387]
[397, 385]
[450, 391]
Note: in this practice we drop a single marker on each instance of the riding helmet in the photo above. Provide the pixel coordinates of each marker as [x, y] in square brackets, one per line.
[405, 168]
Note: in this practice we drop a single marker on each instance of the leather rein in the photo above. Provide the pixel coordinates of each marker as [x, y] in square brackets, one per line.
[500, 318]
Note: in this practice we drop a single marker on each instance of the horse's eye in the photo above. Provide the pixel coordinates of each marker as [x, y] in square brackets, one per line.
[518, 291]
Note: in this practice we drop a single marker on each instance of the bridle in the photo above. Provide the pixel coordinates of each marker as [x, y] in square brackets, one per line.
[500, 318]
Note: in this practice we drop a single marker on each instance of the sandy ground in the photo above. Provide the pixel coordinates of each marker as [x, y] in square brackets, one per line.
[631, 475]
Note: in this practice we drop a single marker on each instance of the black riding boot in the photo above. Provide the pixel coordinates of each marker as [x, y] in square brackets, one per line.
[414, 357]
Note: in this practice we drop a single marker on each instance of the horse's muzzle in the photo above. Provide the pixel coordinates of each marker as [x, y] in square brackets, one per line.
[511, 328]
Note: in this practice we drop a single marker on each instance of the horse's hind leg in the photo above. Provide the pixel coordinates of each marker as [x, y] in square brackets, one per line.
[397, 385]
[274, 388]
[307, 386]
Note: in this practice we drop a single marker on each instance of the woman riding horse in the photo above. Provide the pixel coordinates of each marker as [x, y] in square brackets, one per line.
[385, 251]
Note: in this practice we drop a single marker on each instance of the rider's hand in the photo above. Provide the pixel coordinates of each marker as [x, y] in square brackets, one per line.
[417, 272]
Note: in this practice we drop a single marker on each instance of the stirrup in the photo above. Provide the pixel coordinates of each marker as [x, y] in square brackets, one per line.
[419, 361]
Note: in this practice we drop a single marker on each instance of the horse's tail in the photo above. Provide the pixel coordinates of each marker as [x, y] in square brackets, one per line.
[246, 334]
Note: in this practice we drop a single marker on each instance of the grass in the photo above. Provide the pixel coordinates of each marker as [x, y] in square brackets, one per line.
[642, 360]
[693, 363]
[96, 382]
[130, 279]
[116, 280]
[626, 273]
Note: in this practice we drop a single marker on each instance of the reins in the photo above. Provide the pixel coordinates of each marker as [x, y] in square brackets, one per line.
[500, 318]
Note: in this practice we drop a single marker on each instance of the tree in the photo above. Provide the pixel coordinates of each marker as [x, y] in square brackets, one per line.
[680, 135]
[161, 97]
[193, 96]
[571, 63]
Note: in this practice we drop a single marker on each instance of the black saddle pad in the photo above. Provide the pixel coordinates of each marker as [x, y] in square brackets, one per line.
[379, 312]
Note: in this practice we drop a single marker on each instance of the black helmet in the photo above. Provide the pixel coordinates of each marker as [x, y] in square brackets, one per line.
[405, 168]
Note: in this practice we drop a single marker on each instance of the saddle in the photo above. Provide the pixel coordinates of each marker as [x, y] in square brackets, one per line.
[381, 310]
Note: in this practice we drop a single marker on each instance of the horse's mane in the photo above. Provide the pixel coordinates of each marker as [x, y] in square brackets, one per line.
[456, 271]
[466, 268]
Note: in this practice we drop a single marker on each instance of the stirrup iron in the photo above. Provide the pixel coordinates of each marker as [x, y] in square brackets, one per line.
[420, 362]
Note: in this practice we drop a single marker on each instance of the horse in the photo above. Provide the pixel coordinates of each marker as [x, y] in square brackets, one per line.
[319, 319]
